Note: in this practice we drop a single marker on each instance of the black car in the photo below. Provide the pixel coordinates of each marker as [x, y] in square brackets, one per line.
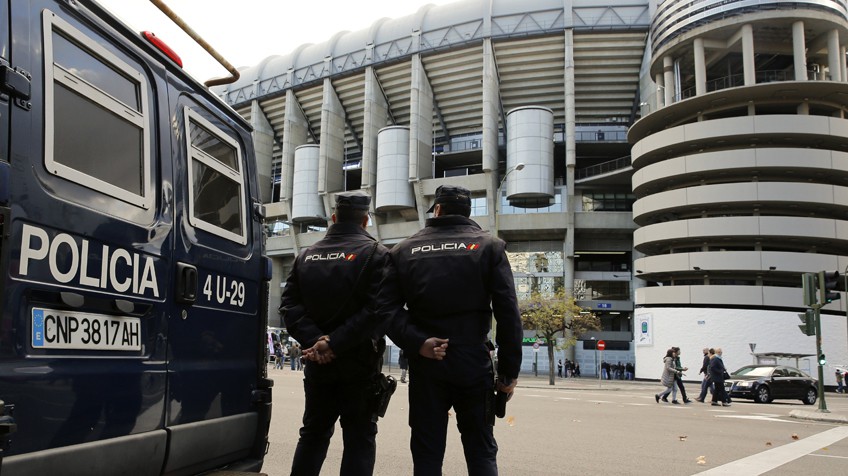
[764, 383]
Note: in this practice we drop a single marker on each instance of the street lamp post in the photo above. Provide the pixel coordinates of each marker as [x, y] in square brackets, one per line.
[518, 166]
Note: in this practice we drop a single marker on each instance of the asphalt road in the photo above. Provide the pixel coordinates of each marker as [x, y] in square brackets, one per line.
[581, 426]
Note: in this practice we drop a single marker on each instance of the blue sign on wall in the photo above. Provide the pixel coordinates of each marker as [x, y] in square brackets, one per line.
[604, 305]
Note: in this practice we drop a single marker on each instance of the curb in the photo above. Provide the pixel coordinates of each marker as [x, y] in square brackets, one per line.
[818, 416]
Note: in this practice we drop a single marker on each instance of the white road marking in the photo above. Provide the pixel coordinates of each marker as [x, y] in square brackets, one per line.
[757, 417]
[768, 460]
[831, 456]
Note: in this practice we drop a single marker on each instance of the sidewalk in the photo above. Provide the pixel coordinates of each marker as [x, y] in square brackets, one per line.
[528, 380]
[593, 383]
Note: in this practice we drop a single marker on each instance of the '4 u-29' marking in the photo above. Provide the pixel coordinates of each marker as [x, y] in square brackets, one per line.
[223, 290]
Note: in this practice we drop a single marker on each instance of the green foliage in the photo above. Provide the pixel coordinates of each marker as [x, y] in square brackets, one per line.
[552, 315]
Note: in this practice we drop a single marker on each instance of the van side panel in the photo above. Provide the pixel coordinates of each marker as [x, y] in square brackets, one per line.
[84, 313]
[134, 286]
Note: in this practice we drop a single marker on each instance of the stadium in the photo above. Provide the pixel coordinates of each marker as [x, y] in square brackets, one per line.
[676, 166]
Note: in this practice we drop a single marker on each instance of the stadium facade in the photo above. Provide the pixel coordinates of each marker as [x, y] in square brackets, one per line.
[676, 166]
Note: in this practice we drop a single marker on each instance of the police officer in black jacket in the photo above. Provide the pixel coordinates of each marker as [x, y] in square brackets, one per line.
[327, 305]
[452, 276]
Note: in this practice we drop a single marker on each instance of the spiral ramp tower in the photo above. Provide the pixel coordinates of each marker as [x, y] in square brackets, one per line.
[740, 167]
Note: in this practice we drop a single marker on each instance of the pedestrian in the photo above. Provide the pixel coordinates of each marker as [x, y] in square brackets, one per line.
[629, 371]
[442, 289]
[559, 368]
[839, 378]
[718, 374]
[299, 363]
[678, 379]
[278, 356]
[403, 363]
[705, 369]
[576, 369]
[294, 355]
[325, 308]
[668, 376]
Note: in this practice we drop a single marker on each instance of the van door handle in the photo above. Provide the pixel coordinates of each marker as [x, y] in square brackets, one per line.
[186, 292]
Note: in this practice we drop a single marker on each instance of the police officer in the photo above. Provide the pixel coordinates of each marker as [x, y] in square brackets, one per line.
[452, 276]
[327, 305]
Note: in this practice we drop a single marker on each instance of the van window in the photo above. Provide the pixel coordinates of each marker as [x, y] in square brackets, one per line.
[216, 181]
[97, 130]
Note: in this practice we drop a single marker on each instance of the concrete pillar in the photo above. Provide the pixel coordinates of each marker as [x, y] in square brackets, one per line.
[833, 62]
[799, 51]
[668, 80]
[842, 52]
[491, 115]
[491, 108]
[295, 132]
[658, 95]
[748, 65]
[700, 68]
[420, 131]
[263, 144]
[376, 117]
[570, 162]
[330, 173]
[331, 154]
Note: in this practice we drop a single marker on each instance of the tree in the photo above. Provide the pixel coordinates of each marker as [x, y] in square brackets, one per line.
[550, 315]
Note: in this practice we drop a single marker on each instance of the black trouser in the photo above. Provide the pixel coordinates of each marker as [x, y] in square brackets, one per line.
[679, 382]
[326, 403]
[437, 387]
[719, 393]
[429, 403]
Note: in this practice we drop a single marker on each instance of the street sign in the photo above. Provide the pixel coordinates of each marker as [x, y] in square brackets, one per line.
[536, 346]
[602, 345]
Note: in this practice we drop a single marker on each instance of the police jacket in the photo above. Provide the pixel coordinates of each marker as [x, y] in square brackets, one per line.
[452, 276]
[327, 293]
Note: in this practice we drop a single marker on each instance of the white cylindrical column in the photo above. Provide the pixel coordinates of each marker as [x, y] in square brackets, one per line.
[799, 51]
[833, 50]
[306, 203]
[530, 141]
[748, 64]
[700, 68]
[393, 188]
[668, 80]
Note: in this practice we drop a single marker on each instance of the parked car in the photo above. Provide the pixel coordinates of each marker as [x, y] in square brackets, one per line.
[764, 383]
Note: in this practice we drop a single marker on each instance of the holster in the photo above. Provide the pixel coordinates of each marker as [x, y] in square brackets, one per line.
[383, 388]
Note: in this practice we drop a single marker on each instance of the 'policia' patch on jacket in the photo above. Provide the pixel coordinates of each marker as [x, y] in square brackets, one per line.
[338, 255]
[445, 247]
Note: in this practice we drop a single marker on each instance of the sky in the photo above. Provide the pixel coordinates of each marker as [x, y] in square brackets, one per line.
[245, 32]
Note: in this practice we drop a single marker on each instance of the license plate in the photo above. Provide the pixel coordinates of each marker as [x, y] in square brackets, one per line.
[53, 329]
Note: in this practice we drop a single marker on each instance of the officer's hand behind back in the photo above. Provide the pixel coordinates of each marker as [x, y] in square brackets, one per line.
[434, 348]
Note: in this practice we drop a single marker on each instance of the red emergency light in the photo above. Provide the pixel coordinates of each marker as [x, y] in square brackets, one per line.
[163, 47]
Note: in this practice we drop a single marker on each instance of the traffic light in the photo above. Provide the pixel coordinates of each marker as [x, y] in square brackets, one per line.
[828, 290]
[808, 283]
[809, 322]
[822, 360]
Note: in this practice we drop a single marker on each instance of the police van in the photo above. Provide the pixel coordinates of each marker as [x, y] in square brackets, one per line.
[134, 284]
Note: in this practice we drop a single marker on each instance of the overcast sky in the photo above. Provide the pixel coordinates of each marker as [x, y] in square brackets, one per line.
[247, 31]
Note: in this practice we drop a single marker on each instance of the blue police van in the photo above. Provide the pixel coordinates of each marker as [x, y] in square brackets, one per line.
[133, 293]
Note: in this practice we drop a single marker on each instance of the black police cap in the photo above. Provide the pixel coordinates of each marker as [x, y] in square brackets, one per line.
[353, 200]
[451, 194]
